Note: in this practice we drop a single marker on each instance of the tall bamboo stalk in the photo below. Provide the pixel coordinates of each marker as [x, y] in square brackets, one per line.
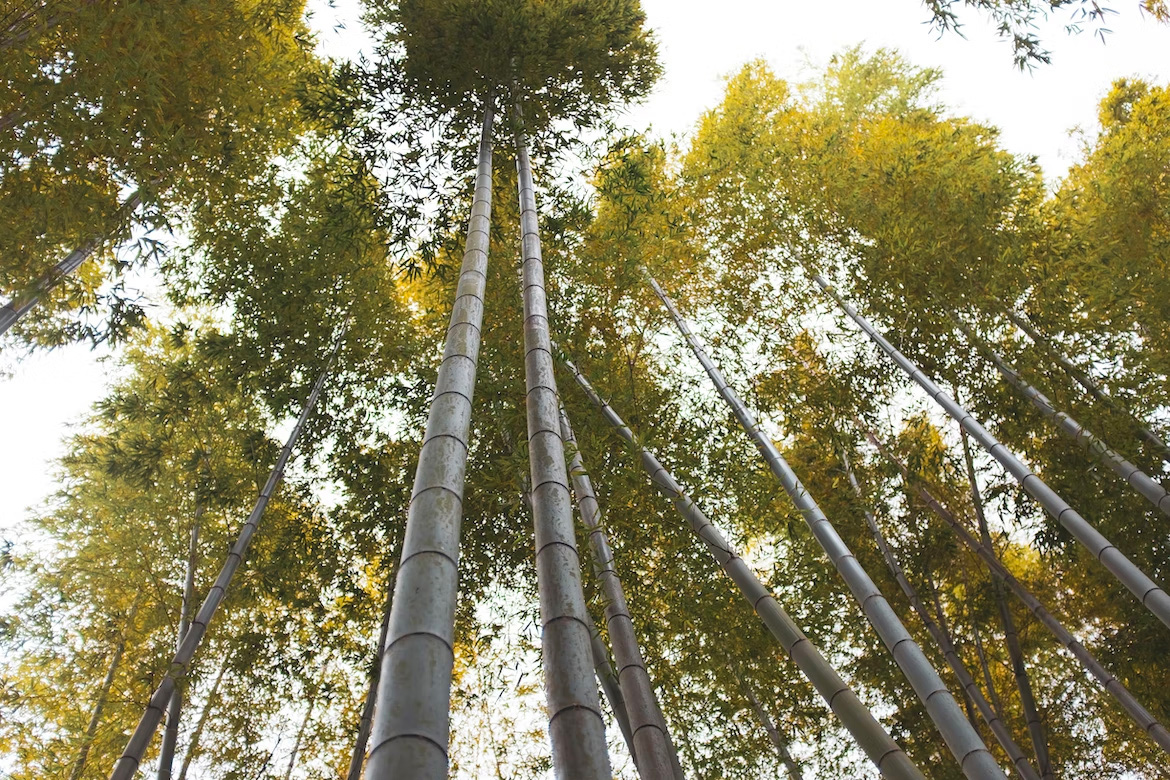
[99, 706]
[778, 742]
[292, 757]
[1011, 635]
[990, 714]
[166, 754]
[1147, 591]
[412, 725]
[20, 305]
[127, 765]
[649, 727]
[962, 739]
[576, 725]
[358, 758]
[612, 688]
[1082, 379]
[197, 733]
[1093, 445]
[1132, 707]
[889, 758]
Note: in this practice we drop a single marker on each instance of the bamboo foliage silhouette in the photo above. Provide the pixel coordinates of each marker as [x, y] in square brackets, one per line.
[576, 725]
[1094, 446]
[127, 765]
[964, 742]
[1011, 636]
[990, 714]
[1131, 705]
[412, 726]
[649, 728]
[889, 758]
[1082, 379]
[1149, 593]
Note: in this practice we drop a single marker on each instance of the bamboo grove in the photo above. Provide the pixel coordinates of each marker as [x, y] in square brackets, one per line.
[828, 442]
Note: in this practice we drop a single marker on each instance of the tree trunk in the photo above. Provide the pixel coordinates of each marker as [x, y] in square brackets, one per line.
[1147, 591]
[126, 766]
[363, 735]
[1094, 446]
[964, 742]
[889, 758]
[1011, 636]
[193, 743]
[655, 760]
[778, 742]
[292, 757]
[942, 638]
[12, 311]
[412, 728]
[104, 692]
[576, 726]
[612, 689]
[1133, 708]
[166, 755]
[1088, 384]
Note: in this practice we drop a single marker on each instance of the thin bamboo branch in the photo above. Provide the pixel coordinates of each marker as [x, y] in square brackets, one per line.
[292, 757]
[964, 742]
[778, 742]
[1132, 707]
[357, 759]
[1147, 591]
[889, 758]
[196, 735]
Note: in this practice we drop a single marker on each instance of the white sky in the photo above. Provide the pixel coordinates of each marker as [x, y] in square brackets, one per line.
[701, 42]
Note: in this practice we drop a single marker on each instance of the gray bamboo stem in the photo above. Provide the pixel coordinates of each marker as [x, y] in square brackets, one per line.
[1132, 707]
[1082, 379]
[612, 688]
[127, 765]
[412, 726]
[95, 717]
[942, 638]
[197, 733]
[166, 755]
[20, 305]
[889, 758]
[962, 739]
[1096, 448]
[292, 757]
[576, 725]
[765, 719]
[357, 759]
[1147, 591]
[1011, 635]
[649, 727]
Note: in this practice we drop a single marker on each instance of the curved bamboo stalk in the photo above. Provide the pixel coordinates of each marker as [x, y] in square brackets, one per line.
[1082, 379]
[942, 638]
[1147, 591]
[881, 749]
[20, 305]
[358, 757]
[1094, 446]
[127, 765]
[649, 727]
[962, 739]
[412, 727]
[1133, 708]
[1011, 635]
[166, 755]
[576, 725]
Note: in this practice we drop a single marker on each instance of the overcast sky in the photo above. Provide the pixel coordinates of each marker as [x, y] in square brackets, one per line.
[701, 43]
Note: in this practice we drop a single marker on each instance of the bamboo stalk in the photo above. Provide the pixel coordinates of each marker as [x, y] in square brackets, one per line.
[1132, 707]
[1096, 448]
[576, 725]
[1149, 593]
[889, 758]
[962, 739]
[612, 688]
[1011, 635]
[942, 638]
[778, 742]
[412, 727]
[193, 743]
[127, 765]
[649, 727]
[357, 759]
